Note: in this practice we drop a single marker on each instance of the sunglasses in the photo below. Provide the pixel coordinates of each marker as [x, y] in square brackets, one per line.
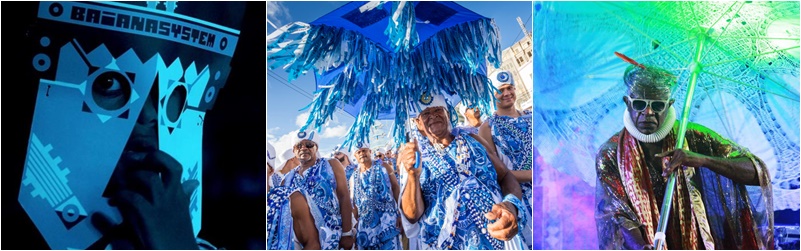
[656, 105]
[308, 145]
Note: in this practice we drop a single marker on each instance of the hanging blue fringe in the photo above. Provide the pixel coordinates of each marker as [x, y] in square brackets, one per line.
[402, 27]
[451, 62]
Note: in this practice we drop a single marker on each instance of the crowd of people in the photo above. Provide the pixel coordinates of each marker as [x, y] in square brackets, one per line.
[470, 186]
[450, 187]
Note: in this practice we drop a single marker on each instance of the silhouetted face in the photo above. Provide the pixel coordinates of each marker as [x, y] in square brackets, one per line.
[648, 107]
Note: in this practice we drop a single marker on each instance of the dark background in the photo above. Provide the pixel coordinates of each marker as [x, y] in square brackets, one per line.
[233, 144]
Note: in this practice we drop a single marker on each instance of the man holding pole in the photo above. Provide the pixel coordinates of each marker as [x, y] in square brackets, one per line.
[462, 195]
[711, 208]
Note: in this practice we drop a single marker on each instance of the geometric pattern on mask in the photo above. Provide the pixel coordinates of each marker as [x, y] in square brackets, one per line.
[173, 77]
[180, 132]
[49, 182]
[79, 61]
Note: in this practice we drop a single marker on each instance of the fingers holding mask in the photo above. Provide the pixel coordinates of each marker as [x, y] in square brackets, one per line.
[155, 202]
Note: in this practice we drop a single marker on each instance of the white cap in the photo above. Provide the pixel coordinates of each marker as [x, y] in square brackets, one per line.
[500, 78]
[361, 145]
[303, 135]
[427, 100]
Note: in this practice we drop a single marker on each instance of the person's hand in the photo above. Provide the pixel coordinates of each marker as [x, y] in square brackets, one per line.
[407, 159]
[681, 157]
[154, 204]
[505, 226]
[346, 242]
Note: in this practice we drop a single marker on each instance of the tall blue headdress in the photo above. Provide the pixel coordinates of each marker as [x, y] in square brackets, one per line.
[373, 61]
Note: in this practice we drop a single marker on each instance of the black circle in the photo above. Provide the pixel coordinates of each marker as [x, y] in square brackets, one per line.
[56, 9]
[223, 43]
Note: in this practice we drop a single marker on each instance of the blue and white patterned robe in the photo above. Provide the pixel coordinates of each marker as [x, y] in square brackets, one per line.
[513, 138]
[279, 219]
[371, 192]
[319, 186]
[459, 186]
[349, 170]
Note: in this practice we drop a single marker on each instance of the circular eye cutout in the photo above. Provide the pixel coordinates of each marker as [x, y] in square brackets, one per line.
[111, 90]
[176, 103]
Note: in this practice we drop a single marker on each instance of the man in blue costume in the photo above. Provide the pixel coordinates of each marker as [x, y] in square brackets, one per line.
[391, 159]
[374, 191]
[344, 159]
[290, 224]
[323, 182]
[456, 192]
[509, 131]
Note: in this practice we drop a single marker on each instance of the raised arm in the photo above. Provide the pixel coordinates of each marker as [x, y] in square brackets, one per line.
[411, 204]
[719, 155]
[392, 180]
[740, 170]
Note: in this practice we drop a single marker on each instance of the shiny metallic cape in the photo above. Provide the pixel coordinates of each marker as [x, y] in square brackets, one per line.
[710, 211]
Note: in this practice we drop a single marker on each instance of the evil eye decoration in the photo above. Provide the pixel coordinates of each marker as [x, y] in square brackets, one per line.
[503, 77]
[426, 98]
[303, 134]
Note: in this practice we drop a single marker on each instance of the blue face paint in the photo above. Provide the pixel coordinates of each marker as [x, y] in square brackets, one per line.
[101, 66]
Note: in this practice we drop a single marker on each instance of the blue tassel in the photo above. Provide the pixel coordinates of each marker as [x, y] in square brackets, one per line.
[451, 62]
[401, 28]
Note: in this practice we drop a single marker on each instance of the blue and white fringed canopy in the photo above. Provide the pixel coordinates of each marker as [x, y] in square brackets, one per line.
[375, 59]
